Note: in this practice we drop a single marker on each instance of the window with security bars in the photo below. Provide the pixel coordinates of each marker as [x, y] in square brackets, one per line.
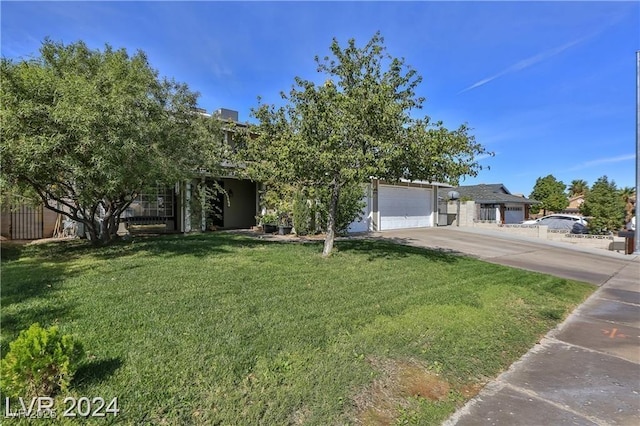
[157, 201]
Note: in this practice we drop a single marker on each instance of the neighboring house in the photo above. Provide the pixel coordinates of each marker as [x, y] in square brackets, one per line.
[407, 204]
[574, 205]
[494, 203]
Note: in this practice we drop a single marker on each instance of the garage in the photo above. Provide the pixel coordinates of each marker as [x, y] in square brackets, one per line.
[404, 207]
[513, 214]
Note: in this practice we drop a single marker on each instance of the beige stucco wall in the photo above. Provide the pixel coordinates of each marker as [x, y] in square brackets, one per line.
[467, 212]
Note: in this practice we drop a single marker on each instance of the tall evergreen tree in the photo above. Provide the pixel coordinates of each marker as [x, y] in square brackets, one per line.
[604, 206]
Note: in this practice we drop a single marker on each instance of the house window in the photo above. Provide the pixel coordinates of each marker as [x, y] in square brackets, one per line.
[487, 212]
[156, 201]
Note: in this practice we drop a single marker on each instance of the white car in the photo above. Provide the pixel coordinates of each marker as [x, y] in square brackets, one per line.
[575, 224]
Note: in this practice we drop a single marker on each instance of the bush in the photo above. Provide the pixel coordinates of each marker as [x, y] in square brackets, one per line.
[302, 214]
[40, 362]
[269, 219]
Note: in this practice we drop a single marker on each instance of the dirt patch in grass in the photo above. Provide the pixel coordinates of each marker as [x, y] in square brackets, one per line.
[300, 416]
[398, 383]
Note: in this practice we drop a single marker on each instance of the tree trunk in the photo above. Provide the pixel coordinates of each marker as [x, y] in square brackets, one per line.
[331, 220]
[108, 225]
[91, 229]
[105, 234]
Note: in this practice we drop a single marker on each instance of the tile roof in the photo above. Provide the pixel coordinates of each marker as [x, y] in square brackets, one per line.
[491, 194]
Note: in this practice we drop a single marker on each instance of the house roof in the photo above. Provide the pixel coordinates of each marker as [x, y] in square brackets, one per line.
[491, 194]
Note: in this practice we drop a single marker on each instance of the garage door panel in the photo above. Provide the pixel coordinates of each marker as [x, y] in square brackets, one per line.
[404, 207]
[514, 214]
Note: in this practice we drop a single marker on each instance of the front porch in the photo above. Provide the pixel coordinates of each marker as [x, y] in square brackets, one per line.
[235, 207]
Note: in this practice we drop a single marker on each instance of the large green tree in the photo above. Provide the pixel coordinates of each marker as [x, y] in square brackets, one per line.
[86, 130]
[604, 206]
[550, 192]
[359, 123]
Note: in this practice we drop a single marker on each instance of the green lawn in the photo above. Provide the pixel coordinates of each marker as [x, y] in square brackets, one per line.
[223, 329]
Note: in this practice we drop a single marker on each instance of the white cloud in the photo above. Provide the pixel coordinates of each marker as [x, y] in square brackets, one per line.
[600, 161]
[526, 63]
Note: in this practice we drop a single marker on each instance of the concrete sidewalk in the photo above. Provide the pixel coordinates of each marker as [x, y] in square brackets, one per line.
[585, 372]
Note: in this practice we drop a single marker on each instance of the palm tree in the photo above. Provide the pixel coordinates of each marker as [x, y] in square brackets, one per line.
[578, 187]
[628, 195]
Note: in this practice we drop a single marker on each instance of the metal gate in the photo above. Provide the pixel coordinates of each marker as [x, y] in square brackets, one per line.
[26, 222]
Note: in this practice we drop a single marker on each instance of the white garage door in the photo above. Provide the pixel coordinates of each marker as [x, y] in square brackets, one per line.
[404, 207]
[513, 214]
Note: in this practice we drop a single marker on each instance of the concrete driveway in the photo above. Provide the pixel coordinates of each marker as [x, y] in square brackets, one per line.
[594, 266]
[584, 372]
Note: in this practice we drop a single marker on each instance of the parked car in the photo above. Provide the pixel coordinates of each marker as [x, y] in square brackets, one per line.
[573, 223]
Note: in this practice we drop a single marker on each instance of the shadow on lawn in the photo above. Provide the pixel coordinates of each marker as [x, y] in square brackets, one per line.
[29, 280]
[95, 372]
[30, 293]
[397, 248]
[199, 245]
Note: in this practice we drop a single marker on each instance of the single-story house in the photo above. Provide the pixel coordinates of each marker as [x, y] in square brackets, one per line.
[494, 203]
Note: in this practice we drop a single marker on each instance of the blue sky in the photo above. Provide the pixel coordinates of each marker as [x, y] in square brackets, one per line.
[548, 86]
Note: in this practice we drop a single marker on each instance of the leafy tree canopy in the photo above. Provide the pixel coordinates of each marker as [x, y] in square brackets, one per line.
[356, 125]
[86, 130]
[605, 207]
[550, 192]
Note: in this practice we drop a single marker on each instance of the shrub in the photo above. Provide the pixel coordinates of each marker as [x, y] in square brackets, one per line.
[40, 362]
[269, 219]
[302, 214]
